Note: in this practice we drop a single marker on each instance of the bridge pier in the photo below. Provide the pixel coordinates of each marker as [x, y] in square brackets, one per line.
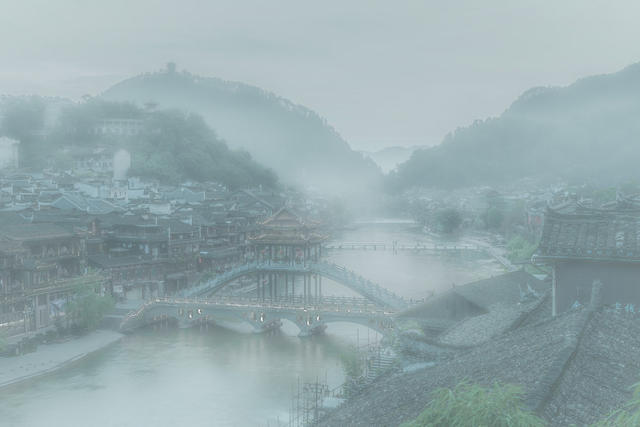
[310, 324]
[261, 322]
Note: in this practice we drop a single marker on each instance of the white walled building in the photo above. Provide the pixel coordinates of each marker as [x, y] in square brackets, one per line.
[9, 153]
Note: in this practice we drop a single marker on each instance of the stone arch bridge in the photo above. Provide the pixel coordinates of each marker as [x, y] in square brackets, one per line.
[374, 308]
[261, 315]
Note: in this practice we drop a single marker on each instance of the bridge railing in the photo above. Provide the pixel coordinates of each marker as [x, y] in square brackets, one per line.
[343, 305]
[330, 270]
[368, 287]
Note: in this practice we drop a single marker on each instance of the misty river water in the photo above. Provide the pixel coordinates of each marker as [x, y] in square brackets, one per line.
[219, 377]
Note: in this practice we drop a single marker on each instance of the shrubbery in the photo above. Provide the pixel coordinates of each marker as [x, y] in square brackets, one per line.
[87, 308]
[469, 405]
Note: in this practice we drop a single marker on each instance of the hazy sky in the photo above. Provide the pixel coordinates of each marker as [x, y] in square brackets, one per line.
[382, 72]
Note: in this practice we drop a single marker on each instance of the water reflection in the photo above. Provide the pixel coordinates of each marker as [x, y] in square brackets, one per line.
[219, 377]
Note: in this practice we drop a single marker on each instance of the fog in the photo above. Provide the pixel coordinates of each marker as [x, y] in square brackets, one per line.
[383, 73]
[363, 213]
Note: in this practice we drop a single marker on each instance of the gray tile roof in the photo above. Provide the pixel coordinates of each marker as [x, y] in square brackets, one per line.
[34, 231]
[593, 363]
[596, 235]
[508, 288]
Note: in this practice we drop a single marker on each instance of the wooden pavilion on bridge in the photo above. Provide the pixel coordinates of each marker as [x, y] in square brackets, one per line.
[285, 238]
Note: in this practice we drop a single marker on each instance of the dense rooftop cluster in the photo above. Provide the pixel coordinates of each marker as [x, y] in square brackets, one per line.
[134, 238]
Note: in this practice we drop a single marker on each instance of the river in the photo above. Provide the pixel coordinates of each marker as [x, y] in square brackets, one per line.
[218, 377]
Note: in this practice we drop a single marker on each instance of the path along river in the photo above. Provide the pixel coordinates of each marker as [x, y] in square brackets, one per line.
[219, 377]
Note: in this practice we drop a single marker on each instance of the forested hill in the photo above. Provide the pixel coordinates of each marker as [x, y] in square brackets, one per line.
[171, 145]
[588, 130]
[292, 140]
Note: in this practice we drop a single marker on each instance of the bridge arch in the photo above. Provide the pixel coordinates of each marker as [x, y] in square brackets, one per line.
[260, 318]
[351, 280]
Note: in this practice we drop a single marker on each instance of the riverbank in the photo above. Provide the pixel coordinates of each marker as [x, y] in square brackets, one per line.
[52, 357]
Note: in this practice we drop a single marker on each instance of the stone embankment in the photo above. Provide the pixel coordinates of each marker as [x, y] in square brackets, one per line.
[53, 357]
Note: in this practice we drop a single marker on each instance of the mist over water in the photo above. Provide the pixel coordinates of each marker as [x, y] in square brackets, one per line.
[179, 377]
[221, 377]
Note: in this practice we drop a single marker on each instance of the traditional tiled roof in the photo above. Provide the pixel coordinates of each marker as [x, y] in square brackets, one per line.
[573, 369]
[71, 201]
[11, 218]
[285, 227]
[34, 232]
[505, 289]
[106, 261]
[596, 235]
[10, 247]
[508, 288]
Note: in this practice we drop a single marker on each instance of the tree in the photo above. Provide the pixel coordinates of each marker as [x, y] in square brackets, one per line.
[22, 117]
[173, 146]
[520, 249]
[469, 405]
[3, 342]
[448, 220]
[493, 218]
[87, 308]
[627, 416]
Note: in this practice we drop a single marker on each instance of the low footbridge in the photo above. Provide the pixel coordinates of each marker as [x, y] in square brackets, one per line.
[262, 315]
[376, 294]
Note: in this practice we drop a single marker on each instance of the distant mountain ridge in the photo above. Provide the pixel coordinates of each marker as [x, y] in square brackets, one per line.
[587, 130]
[294, 141]
[390, 157]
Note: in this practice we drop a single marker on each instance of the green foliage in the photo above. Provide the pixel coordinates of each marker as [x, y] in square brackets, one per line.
[493, 218]
[627, 416]
[520, 249]
[173, 147]
[469, 405]
[293, 140]
[178, 146]
[352, 364]
[448, 220]
[579, 133]
[22, 116]
[87, 308]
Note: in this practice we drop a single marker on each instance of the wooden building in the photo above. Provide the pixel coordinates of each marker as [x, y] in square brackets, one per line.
[589, 245]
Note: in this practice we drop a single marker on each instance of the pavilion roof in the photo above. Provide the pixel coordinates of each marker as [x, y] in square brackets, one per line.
[285, 218]
[287, 238]
[285, 227]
